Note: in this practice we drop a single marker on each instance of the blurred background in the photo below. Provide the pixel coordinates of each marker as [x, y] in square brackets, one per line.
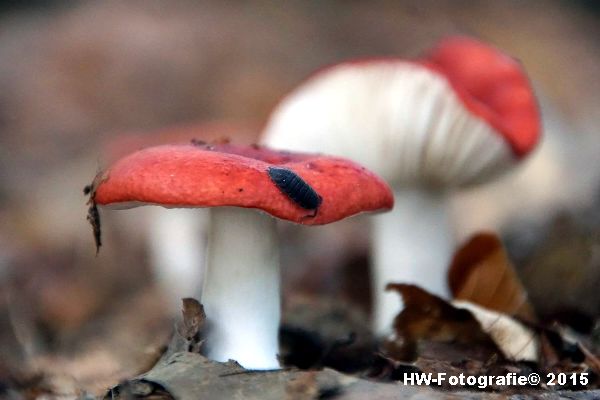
[77, 75]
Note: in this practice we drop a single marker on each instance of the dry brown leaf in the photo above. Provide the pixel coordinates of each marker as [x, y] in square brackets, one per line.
[187, 336]
[516, 341]
[193, 318]
[482, 273]
[428, 317]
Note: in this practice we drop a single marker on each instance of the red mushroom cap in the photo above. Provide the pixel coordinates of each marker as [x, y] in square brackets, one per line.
[227, 175]
[493, 86]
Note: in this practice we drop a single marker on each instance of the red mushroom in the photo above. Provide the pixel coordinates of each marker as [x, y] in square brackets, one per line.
[241, 287]
[459, 116]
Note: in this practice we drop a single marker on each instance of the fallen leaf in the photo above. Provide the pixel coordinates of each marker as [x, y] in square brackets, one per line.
[93, 215]
[516, 341]
[187, 335]
[481, 273]
[428, 317]
[192, 376]
[193, 318]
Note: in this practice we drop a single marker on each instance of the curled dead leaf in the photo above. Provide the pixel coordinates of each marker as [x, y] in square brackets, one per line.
[93, 215]
[187, 336]
[193, 318]
[428, 317]
[481, 273]
[516, 341]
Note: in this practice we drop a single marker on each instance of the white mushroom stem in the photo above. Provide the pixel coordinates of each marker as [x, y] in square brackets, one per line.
[241, 294]
[411, 244]
[177, 240]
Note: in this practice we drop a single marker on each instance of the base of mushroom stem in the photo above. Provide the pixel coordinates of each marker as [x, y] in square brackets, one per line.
[411, 244]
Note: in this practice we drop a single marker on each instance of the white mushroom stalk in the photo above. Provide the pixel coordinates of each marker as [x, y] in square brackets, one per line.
[426, 131]
[177, 251]
[241, 291]
[411, 244]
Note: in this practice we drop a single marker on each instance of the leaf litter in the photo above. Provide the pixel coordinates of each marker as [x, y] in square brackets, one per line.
[431, 335]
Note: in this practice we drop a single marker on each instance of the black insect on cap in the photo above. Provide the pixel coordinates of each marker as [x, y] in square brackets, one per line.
[295, 188]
